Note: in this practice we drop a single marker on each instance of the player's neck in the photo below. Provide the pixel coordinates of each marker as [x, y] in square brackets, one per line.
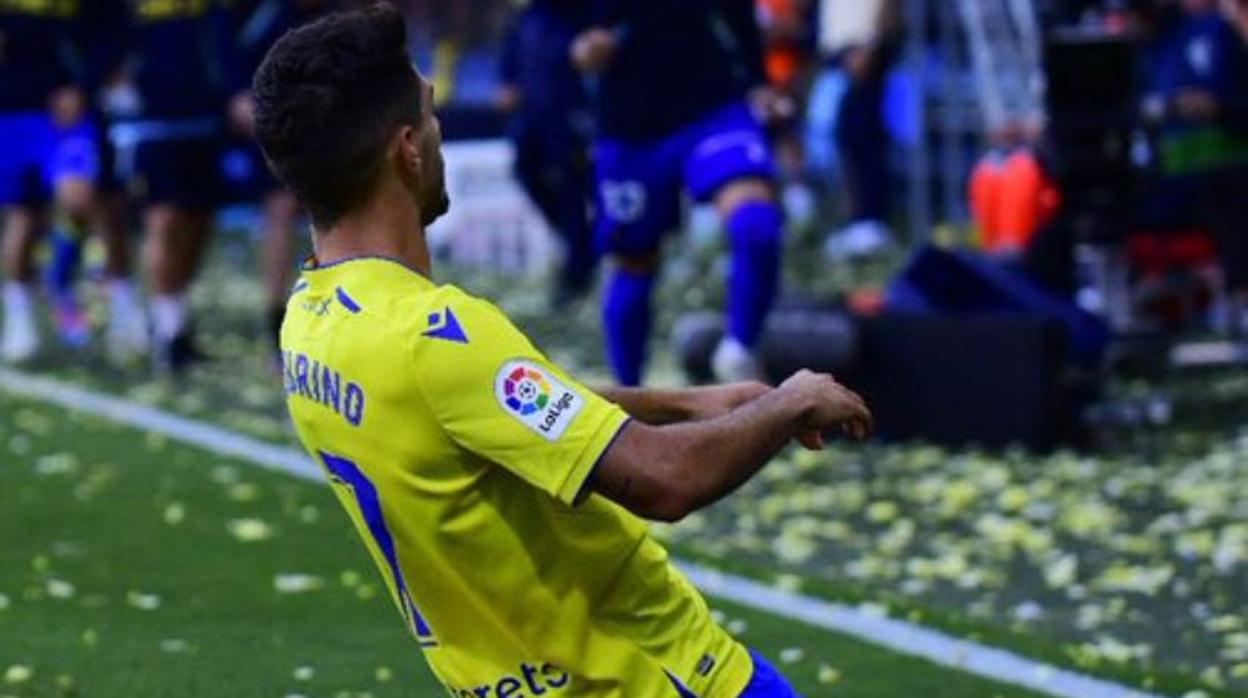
[388, 226]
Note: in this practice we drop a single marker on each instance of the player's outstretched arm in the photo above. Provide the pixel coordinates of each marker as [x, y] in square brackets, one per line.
[675, 405]
[667, 472]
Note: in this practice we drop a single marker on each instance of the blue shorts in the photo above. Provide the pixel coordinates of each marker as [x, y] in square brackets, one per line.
[766, 682]
[639, 184]
[38, 154]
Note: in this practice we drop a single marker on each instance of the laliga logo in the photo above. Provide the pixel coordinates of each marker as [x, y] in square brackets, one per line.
[527, 393]
[527, 390]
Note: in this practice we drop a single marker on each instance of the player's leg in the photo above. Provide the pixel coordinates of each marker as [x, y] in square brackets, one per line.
[767, 682]
[733, 166]
[281, 223]
[638, 201]
[755, 225]
[582, 259]
[554, 171]
[174, 238]
[127, 338]
[73, 171]
[25, 141]
[627, 312]
[182, 187]
[22, 228]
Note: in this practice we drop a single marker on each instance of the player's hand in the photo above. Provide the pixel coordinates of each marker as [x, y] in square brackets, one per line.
[771, 106]
[831, 406]
[593, 50]
[242, 113]
[718, 400]
[67, 106]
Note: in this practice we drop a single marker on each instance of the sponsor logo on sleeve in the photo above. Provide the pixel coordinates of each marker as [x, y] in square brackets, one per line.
[445, 325]
[536, 398]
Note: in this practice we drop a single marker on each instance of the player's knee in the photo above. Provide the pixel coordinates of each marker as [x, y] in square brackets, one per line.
[75, 198]
[161, 219]
[733, 195]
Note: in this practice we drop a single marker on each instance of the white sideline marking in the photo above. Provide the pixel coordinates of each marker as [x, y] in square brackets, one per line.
[897, 635]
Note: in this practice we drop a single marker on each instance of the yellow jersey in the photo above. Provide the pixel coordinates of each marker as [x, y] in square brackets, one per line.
[462, 455]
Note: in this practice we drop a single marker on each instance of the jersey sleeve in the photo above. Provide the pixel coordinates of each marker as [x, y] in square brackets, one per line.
[498, 397]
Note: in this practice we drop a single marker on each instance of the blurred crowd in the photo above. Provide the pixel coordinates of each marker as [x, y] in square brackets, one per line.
[135, 114]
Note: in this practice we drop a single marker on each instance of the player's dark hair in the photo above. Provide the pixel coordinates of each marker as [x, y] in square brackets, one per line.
[329, 96]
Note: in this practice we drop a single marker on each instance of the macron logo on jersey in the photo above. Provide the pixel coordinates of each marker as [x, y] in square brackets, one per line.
[537, 399]
[445, 325]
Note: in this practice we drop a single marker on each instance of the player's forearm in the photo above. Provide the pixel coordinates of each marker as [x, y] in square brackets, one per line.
[652, 406]
[666, 473]
[717, 456]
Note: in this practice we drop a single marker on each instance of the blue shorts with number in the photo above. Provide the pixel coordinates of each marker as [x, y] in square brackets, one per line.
[766, 682]
[37, 154]
[639, 184]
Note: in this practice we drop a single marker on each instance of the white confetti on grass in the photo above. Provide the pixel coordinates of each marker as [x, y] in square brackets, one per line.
[56, 464]
[243, 492]
[792, 655]
[174, 645]
[142, 601]
[304, 673]
[59, 589]
[249, 530]
[175, 513]
[18, 673]
[4, 602]
[297, 583]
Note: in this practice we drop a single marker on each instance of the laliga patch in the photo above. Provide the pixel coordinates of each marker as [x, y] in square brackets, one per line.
[537, 398]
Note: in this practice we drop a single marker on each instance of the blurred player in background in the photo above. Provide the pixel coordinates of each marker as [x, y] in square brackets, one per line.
[1198, 84]
[499, 497]
[257, 25]
[47, 151]
[786, 35]
[551, 129]
[859, 39]
[171, 97]
[128, 336]
[674, 82]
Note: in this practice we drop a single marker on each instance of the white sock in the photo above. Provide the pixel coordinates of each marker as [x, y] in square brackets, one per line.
[17, 298]
[121, 293]
[168, 316]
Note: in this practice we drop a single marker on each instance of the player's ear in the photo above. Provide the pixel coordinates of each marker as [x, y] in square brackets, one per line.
[409, 148]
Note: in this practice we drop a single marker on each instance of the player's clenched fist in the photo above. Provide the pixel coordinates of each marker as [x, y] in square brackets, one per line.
[828, 405]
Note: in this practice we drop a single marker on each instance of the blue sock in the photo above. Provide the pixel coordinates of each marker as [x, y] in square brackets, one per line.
[626, 315]
[756, 230]
[64, 265]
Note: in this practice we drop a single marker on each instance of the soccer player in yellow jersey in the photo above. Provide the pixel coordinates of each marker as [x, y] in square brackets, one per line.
[502, 500]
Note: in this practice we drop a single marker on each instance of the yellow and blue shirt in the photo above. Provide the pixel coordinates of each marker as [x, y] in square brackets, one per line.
[462, 455]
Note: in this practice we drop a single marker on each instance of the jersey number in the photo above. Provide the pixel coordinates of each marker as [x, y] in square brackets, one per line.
[349, 474]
